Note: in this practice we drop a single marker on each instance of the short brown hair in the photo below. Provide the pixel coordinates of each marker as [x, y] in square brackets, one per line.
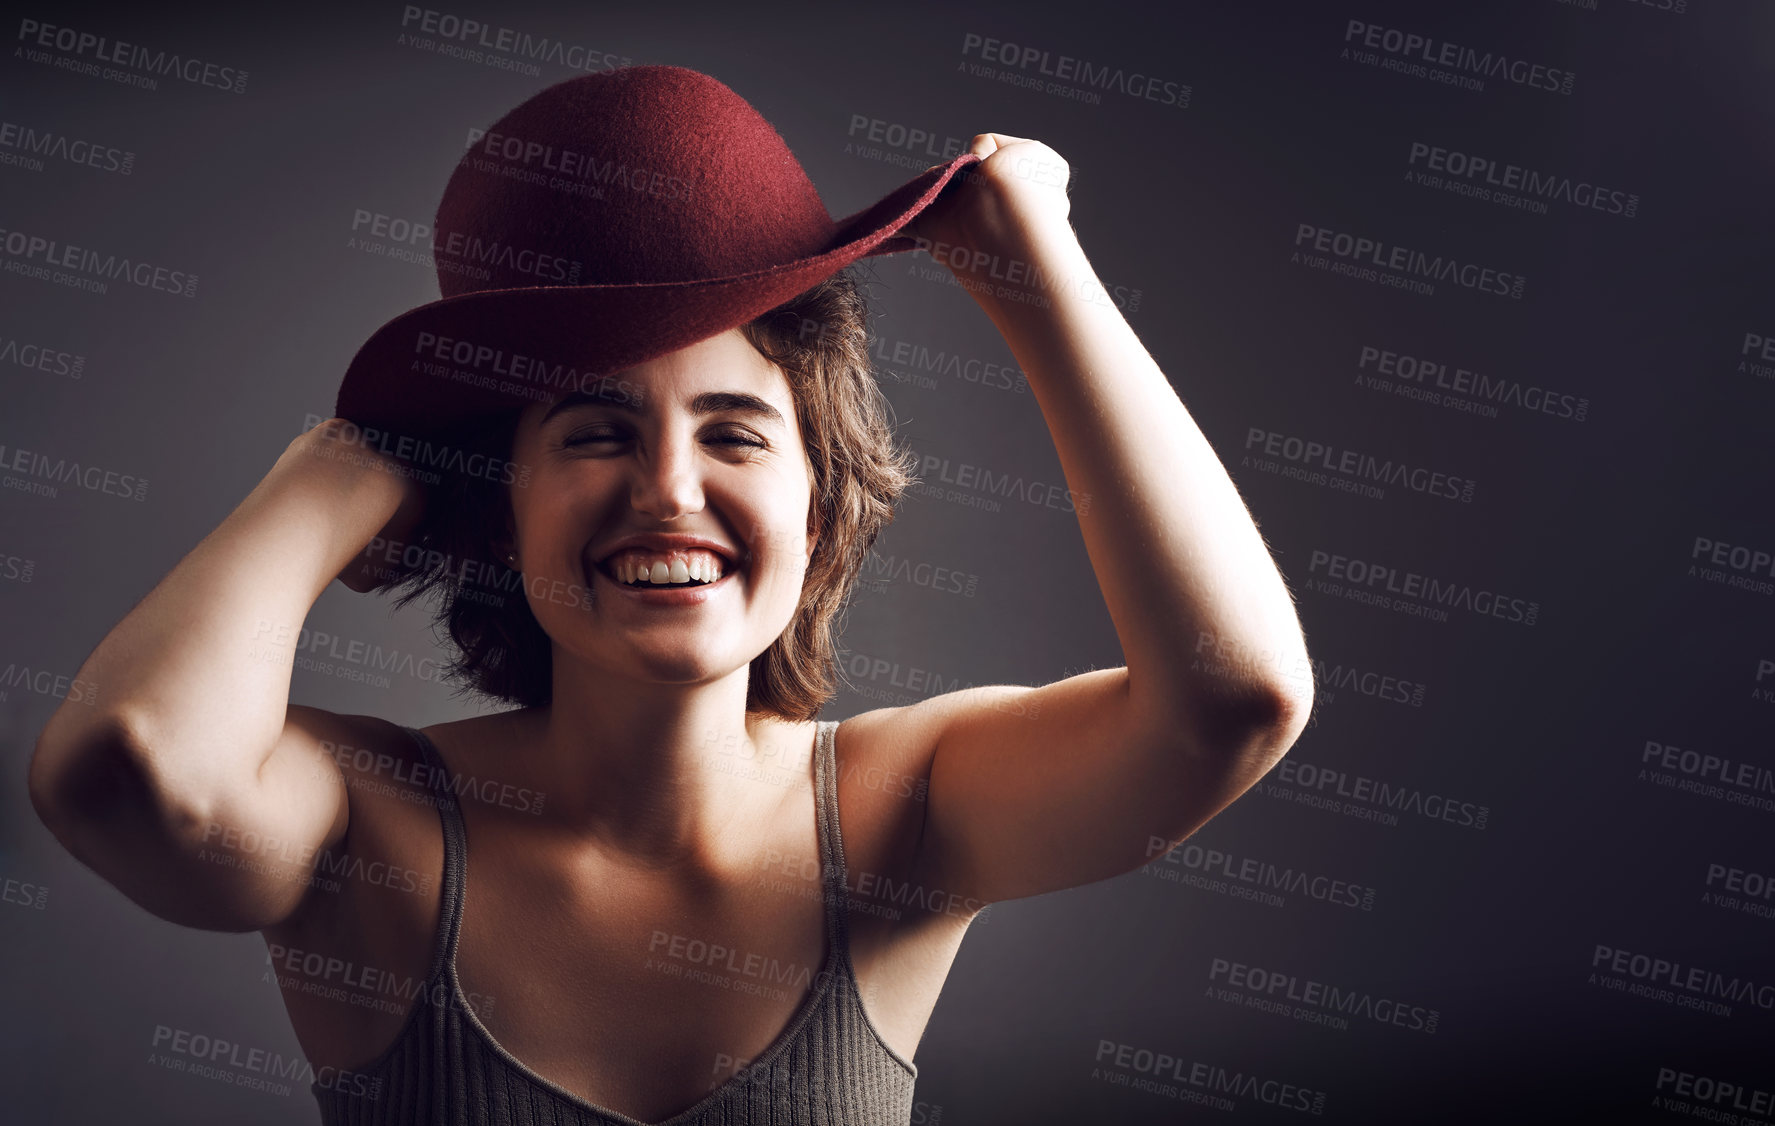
[820, 340]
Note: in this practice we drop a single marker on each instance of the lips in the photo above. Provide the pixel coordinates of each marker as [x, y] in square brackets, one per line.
[630, 564]
[665, 544]
[648, 594]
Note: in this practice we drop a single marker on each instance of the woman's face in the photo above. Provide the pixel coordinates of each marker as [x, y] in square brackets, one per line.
[702, 442]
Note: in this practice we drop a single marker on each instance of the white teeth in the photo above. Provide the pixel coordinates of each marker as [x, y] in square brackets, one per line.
[632, 568]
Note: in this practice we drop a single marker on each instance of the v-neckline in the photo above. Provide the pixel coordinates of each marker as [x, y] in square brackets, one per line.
[831, 964]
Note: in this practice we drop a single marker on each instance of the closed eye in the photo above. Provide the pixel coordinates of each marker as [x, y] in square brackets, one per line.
[726, 438]
[740, 438]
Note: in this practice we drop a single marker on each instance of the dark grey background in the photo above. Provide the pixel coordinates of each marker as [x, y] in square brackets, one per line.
[1196, 208]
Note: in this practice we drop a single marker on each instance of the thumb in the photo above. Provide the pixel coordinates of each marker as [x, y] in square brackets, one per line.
[988, 143]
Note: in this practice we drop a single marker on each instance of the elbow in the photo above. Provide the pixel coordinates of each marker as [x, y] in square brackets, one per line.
[1288, 710]
[1251, 734]
[86, 774]
[1280, 715]
[1293, 712]
[1223, 754]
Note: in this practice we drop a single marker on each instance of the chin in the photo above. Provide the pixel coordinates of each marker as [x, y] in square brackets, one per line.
[678, 661]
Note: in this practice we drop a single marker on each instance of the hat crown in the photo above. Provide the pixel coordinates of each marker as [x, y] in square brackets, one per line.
[643, 174]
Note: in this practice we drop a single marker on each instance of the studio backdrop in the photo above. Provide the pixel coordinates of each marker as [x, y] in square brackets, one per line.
[1475, 303]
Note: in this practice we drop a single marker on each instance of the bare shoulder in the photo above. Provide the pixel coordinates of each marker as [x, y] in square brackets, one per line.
[374, 900]
[900, 739]
[469, 741]
[883, 762]
[894, 748]
[905, 923]
[351, 740]
[379, 762]
[911, 751]
[909, 734]
[387, 791]
[388, 773]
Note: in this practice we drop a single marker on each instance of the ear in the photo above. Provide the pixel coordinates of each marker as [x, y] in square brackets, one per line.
[813, 529]
[505, 547]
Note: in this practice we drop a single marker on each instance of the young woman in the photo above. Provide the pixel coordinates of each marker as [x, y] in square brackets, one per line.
[659, 889]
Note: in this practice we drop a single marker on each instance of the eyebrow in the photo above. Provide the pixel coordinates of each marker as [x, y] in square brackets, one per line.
[706, 402]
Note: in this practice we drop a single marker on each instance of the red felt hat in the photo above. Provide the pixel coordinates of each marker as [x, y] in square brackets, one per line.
[609, 219]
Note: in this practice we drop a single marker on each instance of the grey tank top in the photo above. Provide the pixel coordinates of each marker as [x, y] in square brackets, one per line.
[828, 1067]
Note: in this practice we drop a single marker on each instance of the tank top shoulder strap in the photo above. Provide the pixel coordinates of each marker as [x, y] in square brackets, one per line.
[832, 867]
[443, 796]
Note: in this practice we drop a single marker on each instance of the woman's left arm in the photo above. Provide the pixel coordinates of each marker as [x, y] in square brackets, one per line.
[1037, 789]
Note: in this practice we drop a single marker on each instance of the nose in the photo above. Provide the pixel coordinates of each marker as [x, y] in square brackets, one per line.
[666, 482]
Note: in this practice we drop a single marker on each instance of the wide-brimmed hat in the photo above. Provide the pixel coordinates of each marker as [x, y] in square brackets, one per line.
[609, 219]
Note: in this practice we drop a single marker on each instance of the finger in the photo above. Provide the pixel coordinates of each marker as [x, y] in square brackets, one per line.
[982, 147]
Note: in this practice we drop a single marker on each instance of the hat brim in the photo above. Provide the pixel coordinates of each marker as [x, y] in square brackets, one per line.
[446, 363]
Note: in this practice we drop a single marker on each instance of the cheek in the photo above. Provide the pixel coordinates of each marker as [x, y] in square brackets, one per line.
[780, 559]
[549, 510]
[778, 586]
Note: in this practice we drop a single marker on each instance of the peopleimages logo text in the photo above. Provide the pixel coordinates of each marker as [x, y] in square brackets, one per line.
[1068, 69]
[132, 55]
[1406, 260]
[1436, 52]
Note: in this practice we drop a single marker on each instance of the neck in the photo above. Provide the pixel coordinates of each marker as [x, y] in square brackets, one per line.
[666, 775]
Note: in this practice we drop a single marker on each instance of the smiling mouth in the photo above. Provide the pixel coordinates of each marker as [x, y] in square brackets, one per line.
[653, 570]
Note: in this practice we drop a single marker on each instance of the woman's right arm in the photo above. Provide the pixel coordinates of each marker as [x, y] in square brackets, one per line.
[189, 782]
